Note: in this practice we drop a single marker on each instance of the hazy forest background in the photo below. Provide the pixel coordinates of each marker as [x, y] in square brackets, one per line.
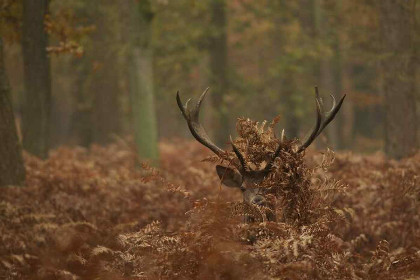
[84, 72]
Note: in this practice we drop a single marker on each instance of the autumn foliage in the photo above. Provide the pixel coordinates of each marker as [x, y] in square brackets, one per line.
[101, 214]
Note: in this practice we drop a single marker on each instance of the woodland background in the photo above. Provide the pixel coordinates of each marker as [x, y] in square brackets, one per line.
[112, 68]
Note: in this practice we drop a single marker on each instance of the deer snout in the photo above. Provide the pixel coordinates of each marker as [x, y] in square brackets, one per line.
[258, 200]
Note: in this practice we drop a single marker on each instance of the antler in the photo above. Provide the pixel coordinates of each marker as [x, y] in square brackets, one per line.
[191, 115]
[268, 166]
[322, 118]
[239, 156]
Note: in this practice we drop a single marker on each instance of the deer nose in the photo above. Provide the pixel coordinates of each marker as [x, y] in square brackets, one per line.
[258, 200]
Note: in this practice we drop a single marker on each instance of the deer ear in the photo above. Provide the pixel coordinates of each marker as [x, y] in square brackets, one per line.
[229, 177]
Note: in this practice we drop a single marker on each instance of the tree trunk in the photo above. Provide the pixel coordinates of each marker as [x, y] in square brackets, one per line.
[218, 71]
[141, 83]
[337, 65]
[37, 98]
[325, 70]
[81, 120]
[347, 132]
[398, 73]
[82, 71]
[106, 111]
[12, 171]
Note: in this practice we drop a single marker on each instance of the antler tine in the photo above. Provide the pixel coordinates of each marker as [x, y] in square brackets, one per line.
[330, 115]
[239, 155]
[334, 103]
[275, 155]
[323, 118]
[191, 115]
[200, 100]
[315, 131]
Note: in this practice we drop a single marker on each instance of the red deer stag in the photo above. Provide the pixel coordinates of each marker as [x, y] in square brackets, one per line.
[243, 177]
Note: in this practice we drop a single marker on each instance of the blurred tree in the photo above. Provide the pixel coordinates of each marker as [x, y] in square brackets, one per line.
[12, 171]
[69, 30]
[106, 109]
[398, 65]
[37, 98]
[81, 117]
[218, 71]
[180, 47]
[285, 64]
[80, 19]
[347, 131]
[141, 82]
[326, 37]
[337, 65]
[345, 84]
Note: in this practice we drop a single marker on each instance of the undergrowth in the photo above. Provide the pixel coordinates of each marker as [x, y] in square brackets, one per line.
[101, 214]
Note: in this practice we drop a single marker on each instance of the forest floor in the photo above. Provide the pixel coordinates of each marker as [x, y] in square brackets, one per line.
[95, 214]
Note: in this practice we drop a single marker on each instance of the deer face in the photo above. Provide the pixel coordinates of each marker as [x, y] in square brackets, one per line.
[243, 178]
[248, 183]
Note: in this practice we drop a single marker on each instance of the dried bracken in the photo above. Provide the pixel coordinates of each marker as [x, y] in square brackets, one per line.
[99, 214]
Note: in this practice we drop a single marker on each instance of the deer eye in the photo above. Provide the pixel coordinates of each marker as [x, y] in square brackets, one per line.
[242, 188]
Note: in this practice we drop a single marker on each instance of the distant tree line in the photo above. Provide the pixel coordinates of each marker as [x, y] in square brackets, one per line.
[83, 72]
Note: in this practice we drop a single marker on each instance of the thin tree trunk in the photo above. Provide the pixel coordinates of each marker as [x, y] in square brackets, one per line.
[12, 171]
[343, 83]
[37, 98]
[82, 69]
[325, 71]
[327, 85]
[337, 66]
[218, 71]
[347, 133]
[141, 83]
[399, 72]
[106, 111]
[82, 120]
[285, 81]
[61, 99]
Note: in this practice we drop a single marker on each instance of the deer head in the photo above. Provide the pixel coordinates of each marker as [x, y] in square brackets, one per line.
[243, 177]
